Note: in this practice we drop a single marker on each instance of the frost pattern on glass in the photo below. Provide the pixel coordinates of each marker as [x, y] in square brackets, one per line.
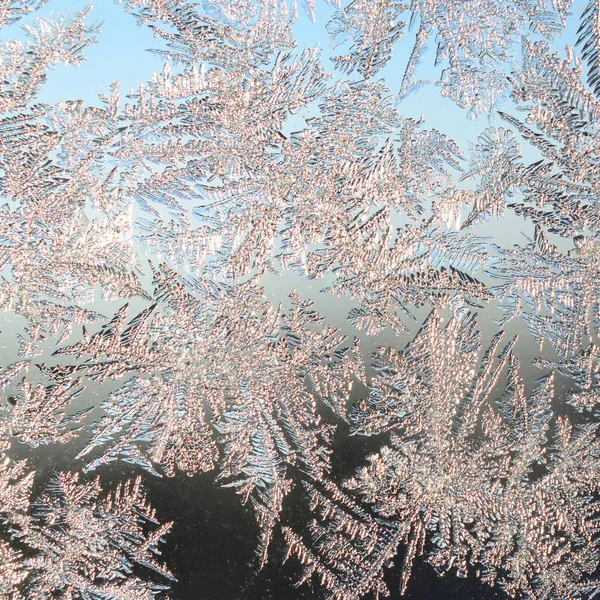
[258, 252]
[474, 481]
[474, 41]
[74, 542]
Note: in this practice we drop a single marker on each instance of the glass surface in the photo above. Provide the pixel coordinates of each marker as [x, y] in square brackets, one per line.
[299, 300]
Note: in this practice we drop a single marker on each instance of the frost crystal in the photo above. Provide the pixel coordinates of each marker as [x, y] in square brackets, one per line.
[76, 543]
[471, 480]
[86, 545]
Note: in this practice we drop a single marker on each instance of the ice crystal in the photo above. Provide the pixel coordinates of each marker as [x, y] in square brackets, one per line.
[13, 10]
[351, 546]
[583, 370]
[247, 373]
[589, 39]
[36, 414]
[86, 545]
[77, 543]
[15, 489]
[554, 290]
[555, 295]
[474, 41]
[23, 66]
[471, 483]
